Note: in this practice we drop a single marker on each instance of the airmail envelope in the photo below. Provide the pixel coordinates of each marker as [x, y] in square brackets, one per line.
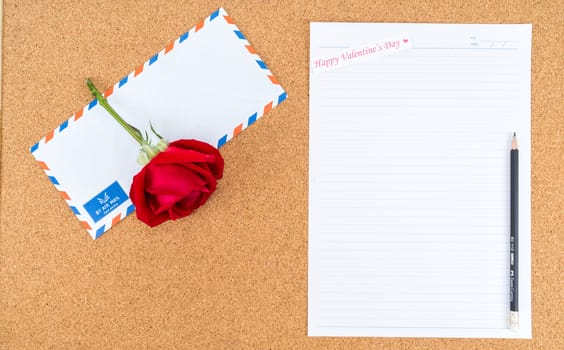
[209, 84]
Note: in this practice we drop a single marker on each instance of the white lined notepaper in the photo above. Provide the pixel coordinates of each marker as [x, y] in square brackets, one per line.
[409, 181]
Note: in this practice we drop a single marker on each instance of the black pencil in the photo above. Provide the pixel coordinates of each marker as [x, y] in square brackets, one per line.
[514, 237]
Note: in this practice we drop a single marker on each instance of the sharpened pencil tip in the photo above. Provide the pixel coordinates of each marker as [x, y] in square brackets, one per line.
[514, 142]
[514, 134]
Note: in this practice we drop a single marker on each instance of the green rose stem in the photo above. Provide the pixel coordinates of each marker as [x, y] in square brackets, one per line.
[133, 131]
[147, 151]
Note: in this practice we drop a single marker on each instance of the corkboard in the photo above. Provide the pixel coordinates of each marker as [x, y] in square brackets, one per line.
[233, 275]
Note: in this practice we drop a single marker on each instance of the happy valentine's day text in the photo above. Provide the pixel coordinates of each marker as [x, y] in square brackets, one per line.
[349, 56]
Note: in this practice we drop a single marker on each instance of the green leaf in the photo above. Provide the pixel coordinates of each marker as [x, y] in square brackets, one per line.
[154, 132]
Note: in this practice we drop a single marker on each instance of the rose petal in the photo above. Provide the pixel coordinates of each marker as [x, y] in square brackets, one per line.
[206, 176]
[216, 166]
[185, 206]
[162, 201]
[172, 179]
[143, 210]
[174, 156]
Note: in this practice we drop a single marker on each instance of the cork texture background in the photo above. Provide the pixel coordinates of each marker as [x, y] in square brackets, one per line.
[234, 274]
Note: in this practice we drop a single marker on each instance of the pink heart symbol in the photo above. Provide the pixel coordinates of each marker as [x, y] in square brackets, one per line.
[405, 41]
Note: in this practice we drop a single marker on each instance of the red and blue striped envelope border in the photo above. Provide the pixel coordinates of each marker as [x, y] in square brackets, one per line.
[219, 15]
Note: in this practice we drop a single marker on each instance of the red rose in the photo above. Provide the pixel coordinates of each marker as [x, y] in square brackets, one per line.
[176, 181]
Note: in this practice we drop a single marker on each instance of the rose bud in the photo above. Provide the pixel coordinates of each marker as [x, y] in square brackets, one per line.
[176, 181]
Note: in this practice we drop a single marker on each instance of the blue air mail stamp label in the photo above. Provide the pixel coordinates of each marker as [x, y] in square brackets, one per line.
[106, 201]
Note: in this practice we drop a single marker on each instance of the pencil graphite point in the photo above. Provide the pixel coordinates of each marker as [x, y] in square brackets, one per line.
[514, 144]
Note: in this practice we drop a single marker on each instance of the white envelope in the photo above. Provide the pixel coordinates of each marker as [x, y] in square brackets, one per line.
[209, 84]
